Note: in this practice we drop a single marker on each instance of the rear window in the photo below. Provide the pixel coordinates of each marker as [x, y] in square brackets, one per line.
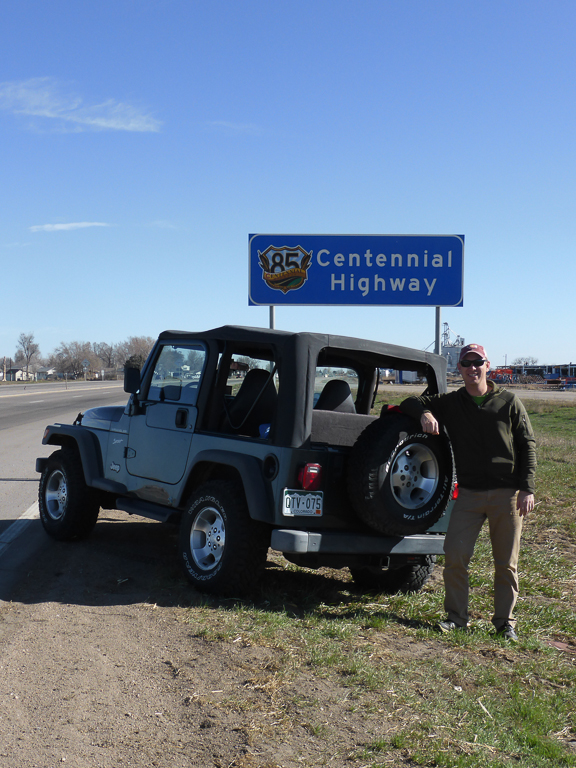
[325, 374]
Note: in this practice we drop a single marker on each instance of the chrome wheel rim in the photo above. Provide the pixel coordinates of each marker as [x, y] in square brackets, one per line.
[56, 495]
[207, 538]
[414, 476]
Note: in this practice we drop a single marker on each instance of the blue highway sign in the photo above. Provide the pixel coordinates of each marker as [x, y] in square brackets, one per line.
[361, 270]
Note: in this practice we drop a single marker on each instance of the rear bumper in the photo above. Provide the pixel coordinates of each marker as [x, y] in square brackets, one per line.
[344, 543]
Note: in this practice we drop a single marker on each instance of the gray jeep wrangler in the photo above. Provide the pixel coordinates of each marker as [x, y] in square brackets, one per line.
[250, 438]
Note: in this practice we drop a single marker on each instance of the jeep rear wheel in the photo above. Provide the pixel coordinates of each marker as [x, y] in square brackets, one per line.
[221, 549]
[399, 478]
[404, 578]
[68, 508]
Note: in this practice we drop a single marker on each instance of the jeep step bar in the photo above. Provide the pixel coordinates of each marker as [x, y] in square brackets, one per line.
[148, 509]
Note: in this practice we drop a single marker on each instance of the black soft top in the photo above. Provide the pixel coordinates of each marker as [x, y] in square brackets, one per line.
[389, 355]
[297, 356]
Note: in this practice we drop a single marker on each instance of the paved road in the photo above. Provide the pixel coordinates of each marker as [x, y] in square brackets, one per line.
[25, 410]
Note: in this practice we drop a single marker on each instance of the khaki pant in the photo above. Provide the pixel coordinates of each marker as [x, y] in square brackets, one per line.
[471, 509]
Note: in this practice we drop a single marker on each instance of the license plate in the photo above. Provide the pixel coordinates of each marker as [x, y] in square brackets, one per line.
[302, 503]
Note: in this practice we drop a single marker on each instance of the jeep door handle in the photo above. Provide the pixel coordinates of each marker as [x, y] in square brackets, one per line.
[181, 418]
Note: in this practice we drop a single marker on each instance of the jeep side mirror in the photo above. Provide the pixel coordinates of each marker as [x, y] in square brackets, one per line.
[131, 380]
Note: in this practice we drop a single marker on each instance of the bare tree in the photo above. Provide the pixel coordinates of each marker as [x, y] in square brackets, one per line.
[525, 360]
[26, 349]
[69, 357]
[135, 347]
[245, 363]
[105, 352]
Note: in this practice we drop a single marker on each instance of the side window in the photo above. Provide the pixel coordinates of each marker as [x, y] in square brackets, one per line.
[251, 396]
[177, 374]
[239, 367]
[335, 388]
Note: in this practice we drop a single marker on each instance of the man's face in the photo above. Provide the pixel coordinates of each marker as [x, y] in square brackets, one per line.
[472, 374]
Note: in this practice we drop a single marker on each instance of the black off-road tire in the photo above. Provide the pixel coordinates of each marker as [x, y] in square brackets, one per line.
[400, 479]
[405, 578]
[221, 549]
[68, 508]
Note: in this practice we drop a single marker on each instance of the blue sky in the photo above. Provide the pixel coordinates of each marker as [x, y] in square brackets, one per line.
[142, 141]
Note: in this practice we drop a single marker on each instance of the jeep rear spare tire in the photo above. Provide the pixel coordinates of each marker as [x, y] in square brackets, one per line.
[399, 478]
[221, 549]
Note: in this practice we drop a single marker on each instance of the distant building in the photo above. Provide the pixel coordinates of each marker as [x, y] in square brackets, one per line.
[452, 355]
[18, 373]
[451, 348]
[43, 373]
[563, 375]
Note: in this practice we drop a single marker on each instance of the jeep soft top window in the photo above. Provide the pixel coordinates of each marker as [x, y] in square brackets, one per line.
[364, 373]
[239, 367]
[250, 396]
[334, 393]
[177, 374]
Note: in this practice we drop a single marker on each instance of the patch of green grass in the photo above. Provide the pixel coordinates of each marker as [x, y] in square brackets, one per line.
[464, 700]
[482, 716]
[555, 430]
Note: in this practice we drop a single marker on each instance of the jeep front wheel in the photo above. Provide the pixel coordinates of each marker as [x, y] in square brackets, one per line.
[221, 549]
[68, 508]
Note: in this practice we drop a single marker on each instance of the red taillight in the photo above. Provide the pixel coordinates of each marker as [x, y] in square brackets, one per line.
[455, 492]
[310, 477]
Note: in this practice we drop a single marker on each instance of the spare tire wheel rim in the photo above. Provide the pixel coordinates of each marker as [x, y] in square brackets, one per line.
[414, 475]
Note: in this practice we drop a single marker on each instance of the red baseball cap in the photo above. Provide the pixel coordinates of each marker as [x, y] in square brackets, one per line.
[480, 351]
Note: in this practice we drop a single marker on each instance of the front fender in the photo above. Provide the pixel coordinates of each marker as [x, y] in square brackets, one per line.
[86, 443]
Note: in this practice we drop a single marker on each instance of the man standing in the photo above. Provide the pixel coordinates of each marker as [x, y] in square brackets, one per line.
[494, 450]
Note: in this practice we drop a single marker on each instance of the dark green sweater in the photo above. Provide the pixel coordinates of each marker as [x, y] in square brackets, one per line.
[493, 443]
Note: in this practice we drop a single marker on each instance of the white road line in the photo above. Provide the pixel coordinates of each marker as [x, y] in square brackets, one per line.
[18, 526]
[97, 388]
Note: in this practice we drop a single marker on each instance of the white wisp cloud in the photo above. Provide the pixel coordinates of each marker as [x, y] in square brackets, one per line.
[65, 227]
[42, 97]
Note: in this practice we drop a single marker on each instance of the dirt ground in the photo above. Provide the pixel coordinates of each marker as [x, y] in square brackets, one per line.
[98, 668]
